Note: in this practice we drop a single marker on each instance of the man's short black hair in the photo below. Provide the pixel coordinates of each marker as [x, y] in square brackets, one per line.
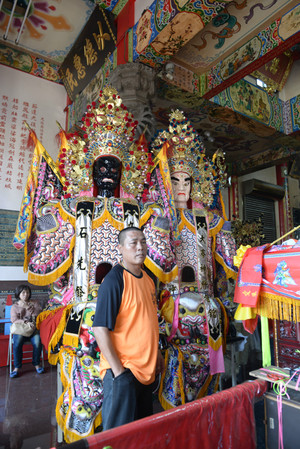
[122, 234]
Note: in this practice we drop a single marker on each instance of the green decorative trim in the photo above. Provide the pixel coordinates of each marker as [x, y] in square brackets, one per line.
[120, 5]
[27, 63]
[202, 85]
[115, 58]
[130, 45]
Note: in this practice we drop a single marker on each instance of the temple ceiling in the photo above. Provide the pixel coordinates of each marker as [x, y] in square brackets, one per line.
[211, 46]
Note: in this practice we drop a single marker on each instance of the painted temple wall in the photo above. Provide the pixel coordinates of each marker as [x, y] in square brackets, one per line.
[41, 103]
[292, 86]
[139, 8]
[294, 192]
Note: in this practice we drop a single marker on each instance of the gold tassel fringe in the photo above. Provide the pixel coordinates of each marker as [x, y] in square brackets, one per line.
[278, 307]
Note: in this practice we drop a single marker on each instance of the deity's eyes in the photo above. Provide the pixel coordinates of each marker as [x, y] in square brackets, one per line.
[102, 169]
[114, 170]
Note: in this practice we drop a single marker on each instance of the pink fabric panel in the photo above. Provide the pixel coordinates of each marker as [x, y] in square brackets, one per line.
[216, 360]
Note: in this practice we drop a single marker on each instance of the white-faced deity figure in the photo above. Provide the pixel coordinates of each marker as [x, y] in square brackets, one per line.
[190, 314]
[181, 186]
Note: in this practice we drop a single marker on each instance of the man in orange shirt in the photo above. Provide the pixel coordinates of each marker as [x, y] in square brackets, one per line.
[126, 330]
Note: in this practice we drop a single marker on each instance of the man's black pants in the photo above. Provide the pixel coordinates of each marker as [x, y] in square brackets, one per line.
[125, 399]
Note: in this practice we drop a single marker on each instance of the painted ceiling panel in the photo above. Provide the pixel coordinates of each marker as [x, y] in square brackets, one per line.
[51, 28]
[243, 123]
[247, 57]
[239, 136]
[228, 31]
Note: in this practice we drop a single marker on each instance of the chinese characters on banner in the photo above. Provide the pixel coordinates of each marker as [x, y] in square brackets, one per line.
[88, 53]
[15, 155]
[40, 103]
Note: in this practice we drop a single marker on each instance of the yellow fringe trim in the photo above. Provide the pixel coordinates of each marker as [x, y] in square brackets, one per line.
[27, 258]
[214, 231]
[184, 222]
[45, 314]
[60, 328]
[53, 358]
[70, 339]
[65, 215]
[162, 400]
[278, 307]
[70, 435]
[146, 216]
[158, 272]
[60, 420]
[271, 306]
[164, 403]
[49, 278]
[63, 377]
[213, 246]
[180, 376]
[106, 216]
[204, 387]
[225, 322]
[217, 383]
[223, 207]
[215, 345]
[230, 273]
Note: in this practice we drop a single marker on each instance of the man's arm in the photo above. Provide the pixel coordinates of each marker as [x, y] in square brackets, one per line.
[102, 335]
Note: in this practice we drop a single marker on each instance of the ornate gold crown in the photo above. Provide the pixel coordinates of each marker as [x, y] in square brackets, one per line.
[186, 153]
[75, 164]
[136, 174]
[109, 126]
[108, 131]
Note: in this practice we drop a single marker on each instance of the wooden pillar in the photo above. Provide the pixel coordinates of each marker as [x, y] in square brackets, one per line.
[285, 221]
[233, 199]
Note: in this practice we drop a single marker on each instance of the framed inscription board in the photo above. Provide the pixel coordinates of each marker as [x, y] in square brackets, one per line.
[9, 255]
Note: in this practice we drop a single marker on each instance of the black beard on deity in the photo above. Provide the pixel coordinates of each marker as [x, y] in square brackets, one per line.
[105, 193]
[106, 175]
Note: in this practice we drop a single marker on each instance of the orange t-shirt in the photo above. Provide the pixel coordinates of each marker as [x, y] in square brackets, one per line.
[127, 307]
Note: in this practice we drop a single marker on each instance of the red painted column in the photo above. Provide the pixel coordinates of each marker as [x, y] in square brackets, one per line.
[125, 21]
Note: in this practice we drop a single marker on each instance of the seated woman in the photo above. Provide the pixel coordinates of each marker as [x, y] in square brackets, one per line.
[24, 311]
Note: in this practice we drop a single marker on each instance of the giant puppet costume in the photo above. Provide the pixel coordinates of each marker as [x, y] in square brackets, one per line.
[69, 222]
[193, 322]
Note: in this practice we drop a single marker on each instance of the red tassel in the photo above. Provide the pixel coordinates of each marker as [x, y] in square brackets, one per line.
[31, 141]
[58, 138]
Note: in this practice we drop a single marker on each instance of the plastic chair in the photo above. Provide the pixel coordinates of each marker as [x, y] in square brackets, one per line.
[10, 352]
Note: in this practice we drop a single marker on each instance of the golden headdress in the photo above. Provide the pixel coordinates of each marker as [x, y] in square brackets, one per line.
[108, 130]
[75, 164]
[186, 153]
[109, 126]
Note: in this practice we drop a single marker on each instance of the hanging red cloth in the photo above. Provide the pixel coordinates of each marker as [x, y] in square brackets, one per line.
[222, 420]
